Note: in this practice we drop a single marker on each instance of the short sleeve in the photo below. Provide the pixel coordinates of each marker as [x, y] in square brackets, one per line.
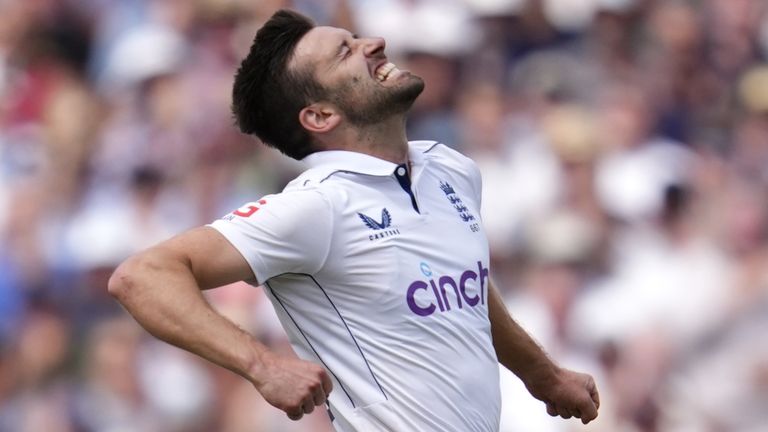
[476, 179]
[288, 232]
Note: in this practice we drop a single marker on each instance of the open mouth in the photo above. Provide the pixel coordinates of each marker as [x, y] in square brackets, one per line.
[385, 71]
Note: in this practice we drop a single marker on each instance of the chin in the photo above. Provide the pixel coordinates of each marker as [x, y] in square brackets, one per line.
[409, 90]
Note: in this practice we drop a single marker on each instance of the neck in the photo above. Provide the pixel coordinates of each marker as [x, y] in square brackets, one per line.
[385, 140]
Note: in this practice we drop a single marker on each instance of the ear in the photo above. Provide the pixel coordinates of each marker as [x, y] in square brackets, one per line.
[319, 118]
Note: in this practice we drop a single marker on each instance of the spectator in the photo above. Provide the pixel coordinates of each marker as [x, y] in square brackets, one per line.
[623, 149]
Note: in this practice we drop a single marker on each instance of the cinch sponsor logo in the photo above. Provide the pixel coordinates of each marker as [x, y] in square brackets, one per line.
[445, 292]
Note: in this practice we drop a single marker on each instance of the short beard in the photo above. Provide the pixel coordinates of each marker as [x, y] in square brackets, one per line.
[380, 106]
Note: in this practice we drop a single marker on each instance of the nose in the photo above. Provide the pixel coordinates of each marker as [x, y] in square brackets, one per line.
[374, 46]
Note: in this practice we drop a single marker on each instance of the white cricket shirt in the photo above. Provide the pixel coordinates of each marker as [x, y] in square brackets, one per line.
[382, 278]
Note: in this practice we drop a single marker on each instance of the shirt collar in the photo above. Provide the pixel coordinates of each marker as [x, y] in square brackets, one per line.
[358, 162]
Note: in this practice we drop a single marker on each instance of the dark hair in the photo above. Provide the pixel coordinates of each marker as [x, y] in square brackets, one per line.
[266, 96]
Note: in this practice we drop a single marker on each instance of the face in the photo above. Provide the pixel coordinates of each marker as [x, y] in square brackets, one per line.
[356, 75]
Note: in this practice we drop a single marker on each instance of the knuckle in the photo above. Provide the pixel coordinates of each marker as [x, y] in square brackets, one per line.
[321, 374]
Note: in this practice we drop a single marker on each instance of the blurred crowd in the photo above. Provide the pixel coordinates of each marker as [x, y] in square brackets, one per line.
[624, 149]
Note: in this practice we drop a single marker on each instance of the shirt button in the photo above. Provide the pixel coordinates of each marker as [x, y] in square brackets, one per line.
[401, 171]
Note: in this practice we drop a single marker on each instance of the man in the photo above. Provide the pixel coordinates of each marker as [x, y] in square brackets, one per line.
[375, 258]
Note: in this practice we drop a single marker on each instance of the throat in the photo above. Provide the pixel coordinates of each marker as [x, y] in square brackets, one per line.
[384, 140]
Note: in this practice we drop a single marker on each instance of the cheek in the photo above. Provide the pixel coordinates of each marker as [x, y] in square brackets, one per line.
[344, 81]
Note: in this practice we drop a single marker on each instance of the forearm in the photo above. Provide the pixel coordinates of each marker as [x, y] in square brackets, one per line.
[566, 393]
[515, 348]
[161, 293]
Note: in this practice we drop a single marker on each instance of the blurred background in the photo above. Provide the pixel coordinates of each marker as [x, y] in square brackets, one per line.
[624, 148]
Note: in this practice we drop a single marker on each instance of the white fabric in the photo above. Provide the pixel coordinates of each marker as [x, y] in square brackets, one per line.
[393, 302]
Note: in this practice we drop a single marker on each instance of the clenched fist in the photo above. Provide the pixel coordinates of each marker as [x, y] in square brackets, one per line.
[292, 385]
[568, 394]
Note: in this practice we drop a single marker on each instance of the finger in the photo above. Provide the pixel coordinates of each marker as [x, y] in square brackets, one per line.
[327, 383]
[574, 412]
[588, 411]
[551, 410]
[319, 397]
[564, 413]
[594, 394]
[308, 405]
[295, 415]
[589, 407]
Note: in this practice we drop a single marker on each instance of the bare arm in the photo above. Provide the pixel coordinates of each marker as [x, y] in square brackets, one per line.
[566, 393]
[161, 289]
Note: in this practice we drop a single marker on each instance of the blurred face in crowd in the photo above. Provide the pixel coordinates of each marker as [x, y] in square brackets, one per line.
[625, 115]
[356, 75]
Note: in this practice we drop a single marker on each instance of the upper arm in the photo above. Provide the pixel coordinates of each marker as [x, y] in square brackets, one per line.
[502, 323]
[475, 178]
[211, 258]
[497, 310]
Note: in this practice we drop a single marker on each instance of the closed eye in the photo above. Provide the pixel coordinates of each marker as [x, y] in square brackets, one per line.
[345, 49]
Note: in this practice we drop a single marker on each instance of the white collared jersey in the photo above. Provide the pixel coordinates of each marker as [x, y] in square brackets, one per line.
[382, 278]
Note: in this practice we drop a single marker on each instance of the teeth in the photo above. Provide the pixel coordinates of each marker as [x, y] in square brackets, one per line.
[384, 70]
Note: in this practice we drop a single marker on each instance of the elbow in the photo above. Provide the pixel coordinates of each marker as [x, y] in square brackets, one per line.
[136, 277]
[121, 280]
[124, 281]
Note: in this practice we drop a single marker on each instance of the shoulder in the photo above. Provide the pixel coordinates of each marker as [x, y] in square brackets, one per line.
[277, 221]
[313, 179]
[282, 210]
[439, 152]
[451, 159]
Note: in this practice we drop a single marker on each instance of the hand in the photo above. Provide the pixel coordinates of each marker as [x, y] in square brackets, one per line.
[292, 385]
[568, 394]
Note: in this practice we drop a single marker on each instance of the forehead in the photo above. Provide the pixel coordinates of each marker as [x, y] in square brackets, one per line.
[318, 45]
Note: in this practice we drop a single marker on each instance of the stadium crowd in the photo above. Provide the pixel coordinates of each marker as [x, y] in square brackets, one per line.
[624, 149]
